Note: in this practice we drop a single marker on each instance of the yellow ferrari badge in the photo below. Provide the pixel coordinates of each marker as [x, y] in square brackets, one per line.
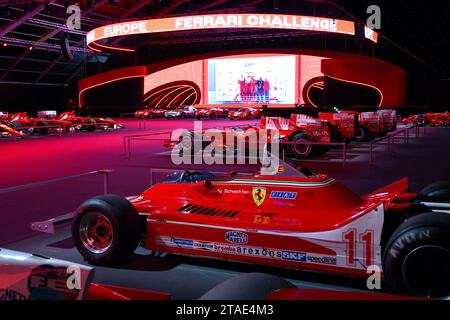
[259, 194]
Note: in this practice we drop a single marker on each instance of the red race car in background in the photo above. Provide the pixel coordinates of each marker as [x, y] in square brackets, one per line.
[429, 119]
[211, 113]
[150, 113]
[245, 114]
[296, 135]
[181, 112]
[21, 121]
[6, 131]
[88, 123]
[369, 123]
[294, 219]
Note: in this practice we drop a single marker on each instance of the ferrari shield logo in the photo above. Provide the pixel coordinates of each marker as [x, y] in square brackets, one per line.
[259, 194]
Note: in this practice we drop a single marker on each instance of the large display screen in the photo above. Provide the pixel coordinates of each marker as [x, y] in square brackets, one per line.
[269, 79]
[240, 79]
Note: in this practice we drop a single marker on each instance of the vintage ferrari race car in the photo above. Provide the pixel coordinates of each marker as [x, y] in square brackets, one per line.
[150, 113]
[211, 113]
[244, 114]
[429, 119]
[295, 219]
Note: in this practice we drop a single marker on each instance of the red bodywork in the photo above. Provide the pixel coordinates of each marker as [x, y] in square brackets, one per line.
[22, 120]
[108, 292]
[272, 220]
[376, 122]
[150, 113]
[298, 123]
[244, 114]
[344, 122]
[430, 119]
[6, 131]
[211, 113]
[85, 122]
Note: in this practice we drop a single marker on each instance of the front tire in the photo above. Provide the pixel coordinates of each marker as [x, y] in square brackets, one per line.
[417, 256]
[106, 229]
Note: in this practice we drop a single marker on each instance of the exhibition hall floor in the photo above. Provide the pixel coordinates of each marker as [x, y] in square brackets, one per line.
[424, 160]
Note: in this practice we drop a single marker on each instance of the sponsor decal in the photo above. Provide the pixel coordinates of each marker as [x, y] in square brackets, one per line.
[260, 252]
[283, 195]
[259, 194]
[183, 242]
[203, 245]
[260, 219]
[293, 256]
[322, 260]
[50, 282]
[224, 248]
[233, 191]
[236, 237]
[7, 294]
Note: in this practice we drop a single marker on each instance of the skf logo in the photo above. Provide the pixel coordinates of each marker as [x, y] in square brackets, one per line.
[259, 194]
[236, 237]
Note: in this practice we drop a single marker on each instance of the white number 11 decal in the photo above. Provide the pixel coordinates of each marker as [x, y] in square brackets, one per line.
[366, 238]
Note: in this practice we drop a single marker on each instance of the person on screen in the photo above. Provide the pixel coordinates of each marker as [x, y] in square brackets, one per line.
[266, 86]
[242, 88]
[247, 90]
[259, 90]
[253, 88]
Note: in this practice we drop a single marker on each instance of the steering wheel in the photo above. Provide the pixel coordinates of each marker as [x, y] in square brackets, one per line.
[196, 176]
[185, 176]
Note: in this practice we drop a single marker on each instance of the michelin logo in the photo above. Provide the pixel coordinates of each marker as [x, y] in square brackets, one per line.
[283, 195]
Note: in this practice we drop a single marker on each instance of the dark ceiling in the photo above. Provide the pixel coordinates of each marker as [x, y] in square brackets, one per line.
[414, 33]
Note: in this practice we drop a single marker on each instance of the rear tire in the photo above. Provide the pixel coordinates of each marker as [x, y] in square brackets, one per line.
[438, 191]
[417, 256]
[91, 125]
[362, 133]
[301, 151]
[106, 229]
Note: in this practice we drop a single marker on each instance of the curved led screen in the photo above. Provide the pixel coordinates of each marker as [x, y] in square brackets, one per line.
[252, 79]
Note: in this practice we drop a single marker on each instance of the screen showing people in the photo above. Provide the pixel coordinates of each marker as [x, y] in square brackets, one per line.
[269, 79]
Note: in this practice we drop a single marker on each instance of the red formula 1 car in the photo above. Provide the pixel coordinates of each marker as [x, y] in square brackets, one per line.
[150, 113]
[7, 132]
[87, 123]
[211, 113]
[372, 123]
[21, 121]
[429, 119]
[293, 220]
[296, 135]
[244, 114]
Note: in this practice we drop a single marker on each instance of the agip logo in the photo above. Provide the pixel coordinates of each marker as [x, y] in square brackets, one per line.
[236, 237]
